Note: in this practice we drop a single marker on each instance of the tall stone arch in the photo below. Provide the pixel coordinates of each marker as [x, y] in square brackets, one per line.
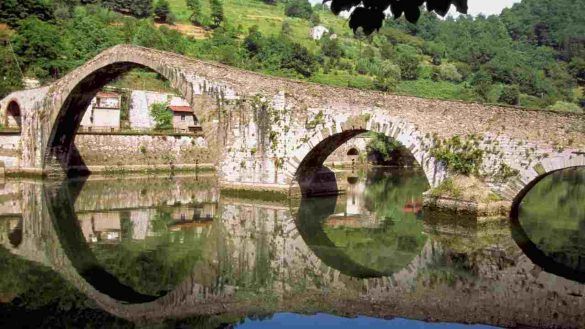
[60, 113]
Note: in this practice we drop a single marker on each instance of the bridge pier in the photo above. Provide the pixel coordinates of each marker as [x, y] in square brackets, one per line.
[476, 211]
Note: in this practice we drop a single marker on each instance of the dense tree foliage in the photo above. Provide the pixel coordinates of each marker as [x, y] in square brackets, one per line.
[217, 15]
[163, 117]
[493, 49]
[278, 54]
[557, 24]
[138, 8]
[196, 13]
[522, 57]
[381, 147]
[331, 48]
[162, 12]
[11, 11]
[39, 46]
[298, 8]
[10, 77]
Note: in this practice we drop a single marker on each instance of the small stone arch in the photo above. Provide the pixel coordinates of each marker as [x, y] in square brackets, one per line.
[15, 236]
[310, 156]
[353, 152]
[13, 115]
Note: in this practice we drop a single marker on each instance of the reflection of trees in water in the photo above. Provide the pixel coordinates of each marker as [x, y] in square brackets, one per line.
[34, 296]
[552, 215]
[399, 239]
[262, 269]
[35, 285]
[388, 191]
[249, 255]
[451, 268]
[157, 264]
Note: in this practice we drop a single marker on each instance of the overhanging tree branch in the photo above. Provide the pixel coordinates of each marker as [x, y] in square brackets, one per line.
[370, 14]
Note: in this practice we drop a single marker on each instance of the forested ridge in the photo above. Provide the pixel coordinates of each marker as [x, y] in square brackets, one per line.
[531, 55]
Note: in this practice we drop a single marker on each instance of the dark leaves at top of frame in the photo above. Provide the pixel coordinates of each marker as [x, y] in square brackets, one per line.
[338, 6]
[370, 14]
[369, 20]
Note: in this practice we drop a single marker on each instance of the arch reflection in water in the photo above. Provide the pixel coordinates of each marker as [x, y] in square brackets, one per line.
[372, 231]
[136, 244]
[122, 251]
[254, 258]
[549, 223]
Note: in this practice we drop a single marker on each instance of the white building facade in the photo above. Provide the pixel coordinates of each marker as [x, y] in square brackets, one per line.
[104, 111]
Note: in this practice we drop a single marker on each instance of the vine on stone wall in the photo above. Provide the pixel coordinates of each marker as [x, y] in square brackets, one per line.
[261, 112]
[466, 156]
[319, 119]
[124, 107]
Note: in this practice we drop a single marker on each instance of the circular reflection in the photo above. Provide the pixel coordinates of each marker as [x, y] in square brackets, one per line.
[549, 223]
[134, 255]
[373, 230]
[352, 180]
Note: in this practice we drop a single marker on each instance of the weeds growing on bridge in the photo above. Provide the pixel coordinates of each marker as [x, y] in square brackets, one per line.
[459, 156]
[505, 172]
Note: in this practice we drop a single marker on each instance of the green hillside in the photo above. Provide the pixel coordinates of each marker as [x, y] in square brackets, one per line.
[533, 55]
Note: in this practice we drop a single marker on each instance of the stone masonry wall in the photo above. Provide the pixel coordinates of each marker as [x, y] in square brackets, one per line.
[115, 150]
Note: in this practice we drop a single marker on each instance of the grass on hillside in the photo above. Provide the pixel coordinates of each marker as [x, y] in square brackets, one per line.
[268, 18]
[344, 79]
[436, 89]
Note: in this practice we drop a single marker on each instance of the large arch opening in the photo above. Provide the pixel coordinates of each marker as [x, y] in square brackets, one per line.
[13, 115]
[374, 228]
[314, 177]
[61, 201]
[548, 222]
[119, 99]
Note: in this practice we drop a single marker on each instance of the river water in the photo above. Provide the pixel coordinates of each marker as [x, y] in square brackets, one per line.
[178, 252]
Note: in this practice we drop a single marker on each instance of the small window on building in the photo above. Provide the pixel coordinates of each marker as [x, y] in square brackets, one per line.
[182, 117]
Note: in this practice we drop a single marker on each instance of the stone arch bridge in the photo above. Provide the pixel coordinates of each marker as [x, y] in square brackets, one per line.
[273, 132]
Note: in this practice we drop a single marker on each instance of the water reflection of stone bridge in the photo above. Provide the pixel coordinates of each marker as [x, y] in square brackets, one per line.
[248, 231]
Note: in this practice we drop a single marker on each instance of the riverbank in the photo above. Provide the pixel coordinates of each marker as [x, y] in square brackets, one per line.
[37, 173]
[458, 196]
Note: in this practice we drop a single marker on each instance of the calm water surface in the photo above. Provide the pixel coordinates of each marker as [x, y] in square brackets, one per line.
[177, 252]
